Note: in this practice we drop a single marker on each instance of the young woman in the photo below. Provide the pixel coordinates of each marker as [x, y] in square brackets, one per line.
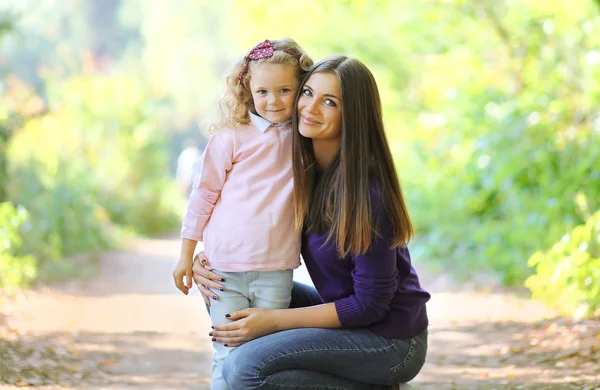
[365, 326]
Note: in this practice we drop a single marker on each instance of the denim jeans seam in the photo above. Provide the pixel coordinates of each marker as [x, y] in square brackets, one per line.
[408, 356]
[259, 373]
[305, 387]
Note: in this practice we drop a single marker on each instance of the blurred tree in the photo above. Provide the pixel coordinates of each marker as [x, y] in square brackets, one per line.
[7, 20]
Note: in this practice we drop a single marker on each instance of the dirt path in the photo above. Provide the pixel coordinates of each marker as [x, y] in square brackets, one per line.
[129, 328]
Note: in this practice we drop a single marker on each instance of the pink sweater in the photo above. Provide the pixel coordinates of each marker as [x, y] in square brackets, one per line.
[241, 205]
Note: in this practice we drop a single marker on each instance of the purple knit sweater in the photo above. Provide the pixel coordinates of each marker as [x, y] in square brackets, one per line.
[379, 290]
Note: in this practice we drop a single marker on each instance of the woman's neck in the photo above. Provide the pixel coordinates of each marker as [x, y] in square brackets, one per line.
[326, 151]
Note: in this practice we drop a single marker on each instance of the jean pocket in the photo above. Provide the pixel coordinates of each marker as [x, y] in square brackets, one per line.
[409, 366]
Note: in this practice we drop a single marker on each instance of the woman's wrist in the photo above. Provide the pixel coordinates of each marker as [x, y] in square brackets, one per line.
[276, 320]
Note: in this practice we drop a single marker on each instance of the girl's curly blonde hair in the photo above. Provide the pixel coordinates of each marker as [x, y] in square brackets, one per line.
[236, 101]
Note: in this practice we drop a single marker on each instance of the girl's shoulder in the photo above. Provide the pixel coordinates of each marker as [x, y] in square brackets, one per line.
[238, 134]
[237, 128]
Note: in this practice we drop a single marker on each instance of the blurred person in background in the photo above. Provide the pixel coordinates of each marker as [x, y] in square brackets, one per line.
[185, 164]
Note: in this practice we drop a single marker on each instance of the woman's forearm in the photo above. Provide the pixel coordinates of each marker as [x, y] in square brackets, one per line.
[320, 316]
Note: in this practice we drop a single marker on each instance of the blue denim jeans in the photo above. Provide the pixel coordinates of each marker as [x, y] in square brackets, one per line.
[268, 290]
[315, 358]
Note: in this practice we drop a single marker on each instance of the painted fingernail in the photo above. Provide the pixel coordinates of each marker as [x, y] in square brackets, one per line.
[222, 279]
[212, 327]
[222, 289]
[210, 334]
[226, 345]
[215, 297]
[203, 261]
[227, 315]
[214, 339]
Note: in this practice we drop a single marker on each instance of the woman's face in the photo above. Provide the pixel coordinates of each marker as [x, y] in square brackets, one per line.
[320, 107]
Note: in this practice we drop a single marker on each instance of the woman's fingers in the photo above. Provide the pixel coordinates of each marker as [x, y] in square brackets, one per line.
[206, 277]
[229, 338]
[207, 293]
[206, 280]
[206, 300]
[228, 327]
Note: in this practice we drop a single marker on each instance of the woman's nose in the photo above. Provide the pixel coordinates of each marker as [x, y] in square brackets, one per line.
[312, 107]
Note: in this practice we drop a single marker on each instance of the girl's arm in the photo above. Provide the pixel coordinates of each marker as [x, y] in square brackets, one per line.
[209, 177]
[184, 266]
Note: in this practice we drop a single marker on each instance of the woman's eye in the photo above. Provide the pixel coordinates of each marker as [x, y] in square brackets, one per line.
[285, 90]
[306, 92]
[261, 92]
[330, 103]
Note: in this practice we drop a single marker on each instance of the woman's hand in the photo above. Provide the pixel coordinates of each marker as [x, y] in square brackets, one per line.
[246, 325]
[206, 280]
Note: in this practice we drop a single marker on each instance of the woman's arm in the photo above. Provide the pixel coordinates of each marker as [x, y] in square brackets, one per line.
[250, 324]
[376, 273]
[320, 316]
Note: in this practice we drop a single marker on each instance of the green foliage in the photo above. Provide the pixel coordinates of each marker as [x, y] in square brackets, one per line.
[101, 155]
[16, 268]
[568, 274]
[65, 217]
[522, 153]
[93, 162]
[110, 120]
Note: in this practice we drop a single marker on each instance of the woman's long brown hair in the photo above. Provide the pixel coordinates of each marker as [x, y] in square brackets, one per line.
[338, 200]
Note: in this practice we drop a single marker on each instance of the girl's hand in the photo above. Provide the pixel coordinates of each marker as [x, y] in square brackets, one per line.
[246, 325]
[205, 279]
[183, 269]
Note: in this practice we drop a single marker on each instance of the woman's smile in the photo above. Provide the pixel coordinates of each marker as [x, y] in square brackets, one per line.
[308, 121]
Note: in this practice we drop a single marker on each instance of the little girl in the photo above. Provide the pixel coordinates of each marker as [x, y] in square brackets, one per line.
[241, 205]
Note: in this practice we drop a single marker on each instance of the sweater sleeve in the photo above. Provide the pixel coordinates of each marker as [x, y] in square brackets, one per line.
[375, 277]
[210, 172]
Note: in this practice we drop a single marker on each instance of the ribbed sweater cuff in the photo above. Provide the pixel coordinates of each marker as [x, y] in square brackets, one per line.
[349, 312]
[191, 234]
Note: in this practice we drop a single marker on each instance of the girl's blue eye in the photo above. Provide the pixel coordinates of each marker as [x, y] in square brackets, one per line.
[306, 92]
[261, 92]
[330, 103]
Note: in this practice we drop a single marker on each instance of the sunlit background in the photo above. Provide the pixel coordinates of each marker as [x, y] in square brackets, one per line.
[491, 107]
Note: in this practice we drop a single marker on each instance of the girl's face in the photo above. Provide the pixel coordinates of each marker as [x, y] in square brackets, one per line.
[273, 88]
[320, 107]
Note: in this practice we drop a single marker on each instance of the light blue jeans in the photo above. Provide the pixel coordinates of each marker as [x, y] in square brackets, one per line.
[269, 290]
[315, 358]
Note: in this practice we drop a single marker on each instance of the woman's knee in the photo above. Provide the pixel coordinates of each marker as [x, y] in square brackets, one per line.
[239, 371]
